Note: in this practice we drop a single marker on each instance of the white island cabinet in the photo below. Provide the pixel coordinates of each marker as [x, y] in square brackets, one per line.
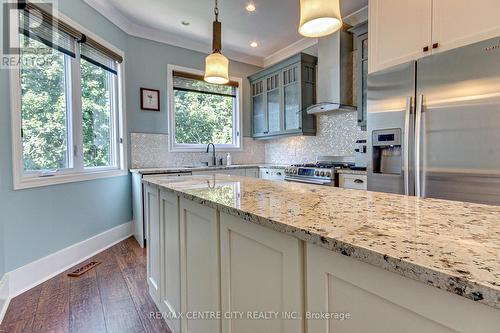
[365, 298]
[171, 282]
[199, 270]
[154, 249]
[261, 273]
[225, 273]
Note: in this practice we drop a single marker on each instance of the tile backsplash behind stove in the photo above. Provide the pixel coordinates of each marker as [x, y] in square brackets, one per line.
[336, 135]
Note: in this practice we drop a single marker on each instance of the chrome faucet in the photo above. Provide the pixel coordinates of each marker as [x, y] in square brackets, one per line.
[214, 160]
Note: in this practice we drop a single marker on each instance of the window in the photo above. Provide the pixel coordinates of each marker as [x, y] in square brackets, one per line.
[202, 113]
[68, 115]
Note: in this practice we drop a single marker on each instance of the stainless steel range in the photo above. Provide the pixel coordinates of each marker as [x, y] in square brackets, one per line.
[320, 173]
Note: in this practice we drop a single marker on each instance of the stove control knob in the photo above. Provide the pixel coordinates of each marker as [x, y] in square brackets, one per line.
[322, 174]
[328, 174]
[294, 171]
[316, 173]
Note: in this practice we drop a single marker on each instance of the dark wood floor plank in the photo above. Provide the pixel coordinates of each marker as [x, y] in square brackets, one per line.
[119, 310]
[130, 260]
[113, 297]
[86, 312]
[21, 312]
[52, 313]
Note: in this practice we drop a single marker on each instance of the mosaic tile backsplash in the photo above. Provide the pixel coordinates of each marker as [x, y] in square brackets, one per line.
[151, 151]
[336, 135]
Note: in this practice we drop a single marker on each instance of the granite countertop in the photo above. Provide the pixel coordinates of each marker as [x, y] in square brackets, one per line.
[450, 245]
[173, 169]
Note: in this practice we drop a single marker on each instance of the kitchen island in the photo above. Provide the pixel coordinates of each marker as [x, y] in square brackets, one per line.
[323, 258]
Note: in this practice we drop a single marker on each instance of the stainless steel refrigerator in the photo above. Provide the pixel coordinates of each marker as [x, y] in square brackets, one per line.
[434, 126]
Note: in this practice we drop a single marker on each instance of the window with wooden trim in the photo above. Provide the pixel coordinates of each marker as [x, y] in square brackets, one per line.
[70, 122]
[201, 113]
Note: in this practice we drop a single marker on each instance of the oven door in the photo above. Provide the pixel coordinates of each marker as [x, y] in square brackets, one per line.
[325, 182]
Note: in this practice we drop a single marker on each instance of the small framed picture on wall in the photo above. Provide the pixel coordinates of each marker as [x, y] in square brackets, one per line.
[150, 99]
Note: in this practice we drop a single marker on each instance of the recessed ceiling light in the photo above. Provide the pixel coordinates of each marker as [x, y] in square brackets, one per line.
[254, 44]
[250, 7]
[186, 23]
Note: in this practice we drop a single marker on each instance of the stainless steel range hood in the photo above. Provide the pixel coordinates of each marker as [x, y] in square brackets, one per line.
[335, 74]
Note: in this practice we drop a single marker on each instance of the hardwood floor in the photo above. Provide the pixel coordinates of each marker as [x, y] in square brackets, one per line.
[113, 297]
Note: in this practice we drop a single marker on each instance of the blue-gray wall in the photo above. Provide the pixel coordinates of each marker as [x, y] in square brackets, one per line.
[146, 66]
[37, 222]
[40, 221]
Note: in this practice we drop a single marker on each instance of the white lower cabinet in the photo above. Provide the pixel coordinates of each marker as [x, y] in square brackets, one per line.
[200, 272]
[356, 182]
[171, 282]
[252, 172]
[261, 272]
[380, 301]
[154, 246]
[235, 172]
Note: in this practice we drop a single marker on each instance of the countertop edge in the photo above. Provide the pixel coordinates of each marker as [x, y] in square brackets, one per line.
[454, 284]
[160, 170]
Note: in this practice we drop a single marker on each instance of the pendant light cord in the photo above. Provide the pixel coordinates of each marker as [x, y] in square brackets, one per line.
[216, 11]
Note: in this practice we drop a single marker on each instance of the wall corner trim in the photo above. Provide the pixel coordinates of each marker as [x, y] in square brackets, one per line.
[26, 277]
[4, 295]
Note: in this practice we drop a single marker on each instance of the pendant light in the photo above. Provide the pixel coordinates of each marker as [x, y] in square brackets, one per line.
[216, 65]
[319, 18]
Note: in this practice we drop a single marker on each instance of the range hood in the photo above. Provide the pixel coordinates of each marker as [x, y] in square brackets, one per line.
[334, 90]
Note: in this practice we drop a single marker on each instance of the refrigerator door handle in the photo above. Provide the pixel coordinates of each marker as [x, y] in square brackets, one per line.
[418, 127]
[406, 162]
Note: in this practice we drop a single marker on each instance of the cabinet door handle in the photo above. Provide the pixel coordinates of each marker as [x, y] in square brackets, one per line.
[435, 45]
[426, 49]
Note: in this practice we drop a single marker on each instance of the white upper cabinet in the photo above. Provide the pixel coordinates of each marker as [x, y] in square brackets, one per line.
[460, 22]
[398, 31]
[401, 31]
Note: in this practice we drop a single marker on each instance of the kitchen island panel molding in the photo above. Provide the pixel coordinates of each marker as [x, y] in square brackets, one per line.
[199, 258]
[386, 302]
[170, 262]
[261, 270]
[154, 249]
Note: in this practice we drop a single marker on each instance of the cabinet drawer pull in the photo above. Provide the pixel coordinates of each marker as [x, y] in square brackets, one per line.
[426, 49]
[359, 181]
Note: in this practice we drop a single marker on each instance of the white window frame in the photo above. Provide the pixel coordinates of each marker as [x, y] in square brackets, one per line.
[28, 179]
[237, 116]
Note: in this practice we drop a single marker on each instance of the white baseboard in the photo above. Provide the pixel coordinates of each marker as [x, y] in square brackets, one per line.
[4, 295]
[36, 272]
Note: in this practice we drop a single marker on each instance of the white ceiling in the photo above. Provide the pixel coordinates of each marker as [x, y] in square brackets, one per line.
[273, 25]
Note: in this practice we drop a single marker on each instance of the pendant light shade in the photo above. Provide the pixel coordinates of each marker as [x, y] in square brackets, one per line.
[319, 18]
[216, 68]
[216, 65]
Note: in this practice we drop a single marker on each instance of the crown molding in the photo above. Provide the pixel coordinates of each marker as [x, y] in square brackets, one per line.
[358, 17]
[136, 30]
[289, 51]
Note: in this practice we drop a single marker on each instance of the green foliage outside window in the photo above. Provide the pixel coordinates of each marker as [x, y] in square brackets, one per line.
[43, 101]
[45, 114]
[96, 110]
[201, 118]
